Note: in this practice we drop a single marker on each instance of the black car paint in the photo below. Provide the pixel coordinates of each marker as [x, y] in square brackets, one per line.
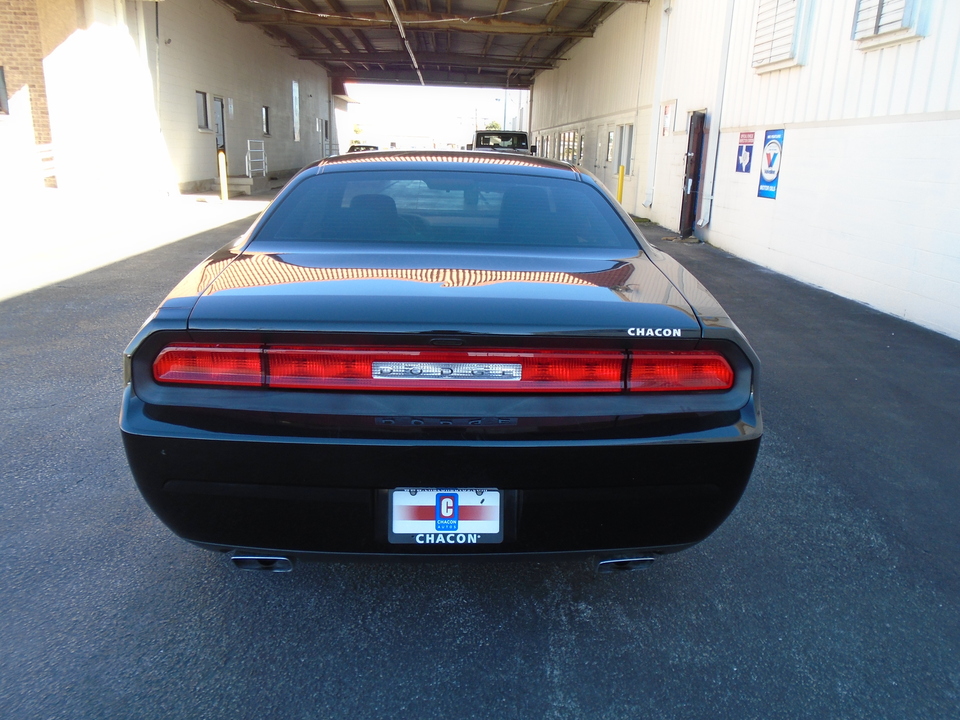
[307, 472]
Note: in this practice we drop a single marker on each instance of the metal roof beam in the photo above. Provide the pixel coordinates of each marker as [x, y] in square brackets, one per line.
[423, 58]
[414, 21]
[438, 77]
[338, 8]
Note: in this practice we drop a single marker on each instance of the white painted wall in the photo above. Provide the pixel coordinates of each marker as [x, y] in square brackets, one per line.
[691, 63]
[869, 210]
[601, 85]
[20, 169]
[203, 48]
[106, 135]
[868, 204]
[122, 98]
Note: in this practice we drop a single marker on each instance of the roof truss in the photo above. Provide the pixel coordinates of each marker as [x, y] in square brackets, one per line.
[436, 42]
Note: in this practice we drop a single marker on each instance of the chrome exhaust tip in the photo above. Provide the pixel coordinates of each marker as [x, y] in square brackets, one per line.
[264, 563]
[613, 565]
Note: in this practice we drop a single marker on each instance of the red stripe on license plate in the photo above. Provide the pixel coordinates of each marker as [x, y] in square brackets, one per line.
[429, 512]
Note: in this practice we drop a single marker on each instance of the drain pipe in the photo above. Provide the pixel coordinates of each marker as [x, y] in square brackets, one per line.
[657, 91]
[713, 139]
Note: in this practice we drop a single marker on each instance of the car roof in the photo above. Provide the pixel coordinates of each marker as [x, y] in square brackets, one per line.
[460, 160]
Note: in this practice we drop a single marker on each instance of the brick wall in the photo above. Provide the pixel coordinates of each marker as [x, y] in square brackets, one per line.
[21, 56]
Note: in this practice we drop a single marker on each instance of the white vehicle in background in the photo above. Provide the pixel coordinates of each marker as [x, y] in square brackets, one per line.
[510, 141]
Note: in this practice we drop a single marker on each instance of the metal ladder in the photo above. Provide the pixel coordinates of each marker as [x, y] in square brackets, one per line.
[256, 159]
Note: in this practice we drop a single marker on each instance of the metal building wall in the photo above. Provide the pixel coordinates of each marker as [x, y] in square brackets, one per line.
[690, 64]
[203, 48]
[121, 95]
[868, 201]
[604, 84]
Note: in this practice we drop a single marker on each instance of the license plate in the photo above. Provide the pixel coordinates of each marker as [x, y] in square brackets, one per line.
[445, 516]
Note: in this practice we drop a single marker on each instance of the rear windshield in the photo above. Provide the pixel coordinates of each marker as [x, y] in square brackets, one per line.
[446, 208]
[509, 141]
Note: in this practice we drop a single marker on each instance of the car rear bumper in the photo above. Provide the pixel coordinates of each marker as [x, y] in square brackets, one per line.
[328, 495]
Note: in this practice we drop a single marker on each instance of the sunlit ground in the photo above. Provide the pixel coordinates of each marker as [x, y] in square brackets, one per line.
[51, 235]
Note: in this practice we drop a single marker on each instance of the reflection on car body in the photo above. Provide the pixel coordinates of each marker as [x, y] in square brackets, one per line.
[429, 353]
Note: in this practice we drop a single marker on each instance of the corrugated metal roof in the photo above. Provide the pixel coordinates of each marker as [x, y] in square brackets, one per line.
[437, 42]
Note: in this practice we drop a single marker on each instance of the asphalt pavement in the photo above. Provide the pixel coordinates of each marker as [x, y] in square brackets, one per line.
[831, 592]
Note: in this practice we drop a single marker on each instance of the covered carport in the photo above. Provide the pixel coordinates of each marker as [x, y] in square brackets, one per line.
[428, 42]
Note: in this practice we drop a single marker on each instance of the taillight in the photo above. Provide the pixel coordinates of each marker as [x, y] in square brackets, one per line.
[679, 371]
[209, 364]
[538, 370]
[468, 370]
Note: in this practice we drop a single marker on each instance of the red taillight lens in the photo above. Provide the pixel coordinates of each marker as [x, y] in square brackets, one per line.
[414, 369]
[429, 370]
[209, 364]
[679, 371]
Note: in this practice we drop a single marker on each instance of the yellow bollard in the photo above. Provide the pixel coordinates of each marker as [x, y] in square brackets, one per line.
[620, 184]
[222, 168]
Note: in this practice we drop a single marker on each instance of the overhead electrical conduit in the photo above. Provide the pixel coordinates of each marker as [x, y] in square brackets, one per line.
[406, 43]
[657, 92]
[713, 138]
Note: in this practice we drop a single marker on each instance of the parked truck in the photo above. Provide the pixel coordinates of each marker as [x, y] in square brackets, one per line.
[510, 141]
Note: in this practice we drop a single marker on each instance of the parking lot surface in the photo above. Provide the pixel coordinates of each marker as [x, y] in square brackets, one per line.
[832, 592]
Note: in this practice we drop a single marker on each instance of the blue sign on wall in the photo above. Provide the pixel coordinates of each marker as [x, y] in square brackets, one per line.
[770, 163]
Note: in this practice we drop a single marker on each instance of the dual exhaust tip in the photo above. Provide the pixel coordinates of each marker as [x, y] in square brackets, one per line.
[283, 564]
[263, 563]
[618, 565]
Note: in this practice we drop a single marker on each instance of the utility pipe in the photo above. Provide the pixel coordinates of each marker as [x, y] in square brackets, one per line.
[657, 92]
[713, 139]
[403, 36]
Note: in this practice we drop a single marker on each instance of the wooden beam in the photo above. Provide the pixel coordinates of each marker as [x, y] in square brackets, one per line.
[550, 17]
[501, 6]
[438, 77]
[338, 8]
[427, 58]
[598, 17]
[413, 21]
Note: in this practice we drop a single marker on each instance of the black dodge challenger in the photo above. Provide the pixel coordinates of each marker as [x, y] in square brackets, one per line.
[441, 354]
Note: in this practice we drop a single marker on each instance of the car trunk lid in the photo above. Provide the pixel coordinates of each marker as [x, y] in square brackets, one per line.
[433, 292]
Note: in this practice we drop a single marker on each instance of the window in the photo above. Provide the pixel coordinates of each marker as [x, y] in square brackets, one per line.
[580, 156]
[568, 146]
[203, 118]
[265, 119]
[881, 23]
[626, 148]
[437, 208]
[610, 146]
[296, 111]
[775, 43]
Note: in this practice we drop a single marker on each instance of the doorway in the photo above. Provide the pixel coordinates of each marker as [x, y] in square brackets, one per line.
[691, 175]
[605, 166]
